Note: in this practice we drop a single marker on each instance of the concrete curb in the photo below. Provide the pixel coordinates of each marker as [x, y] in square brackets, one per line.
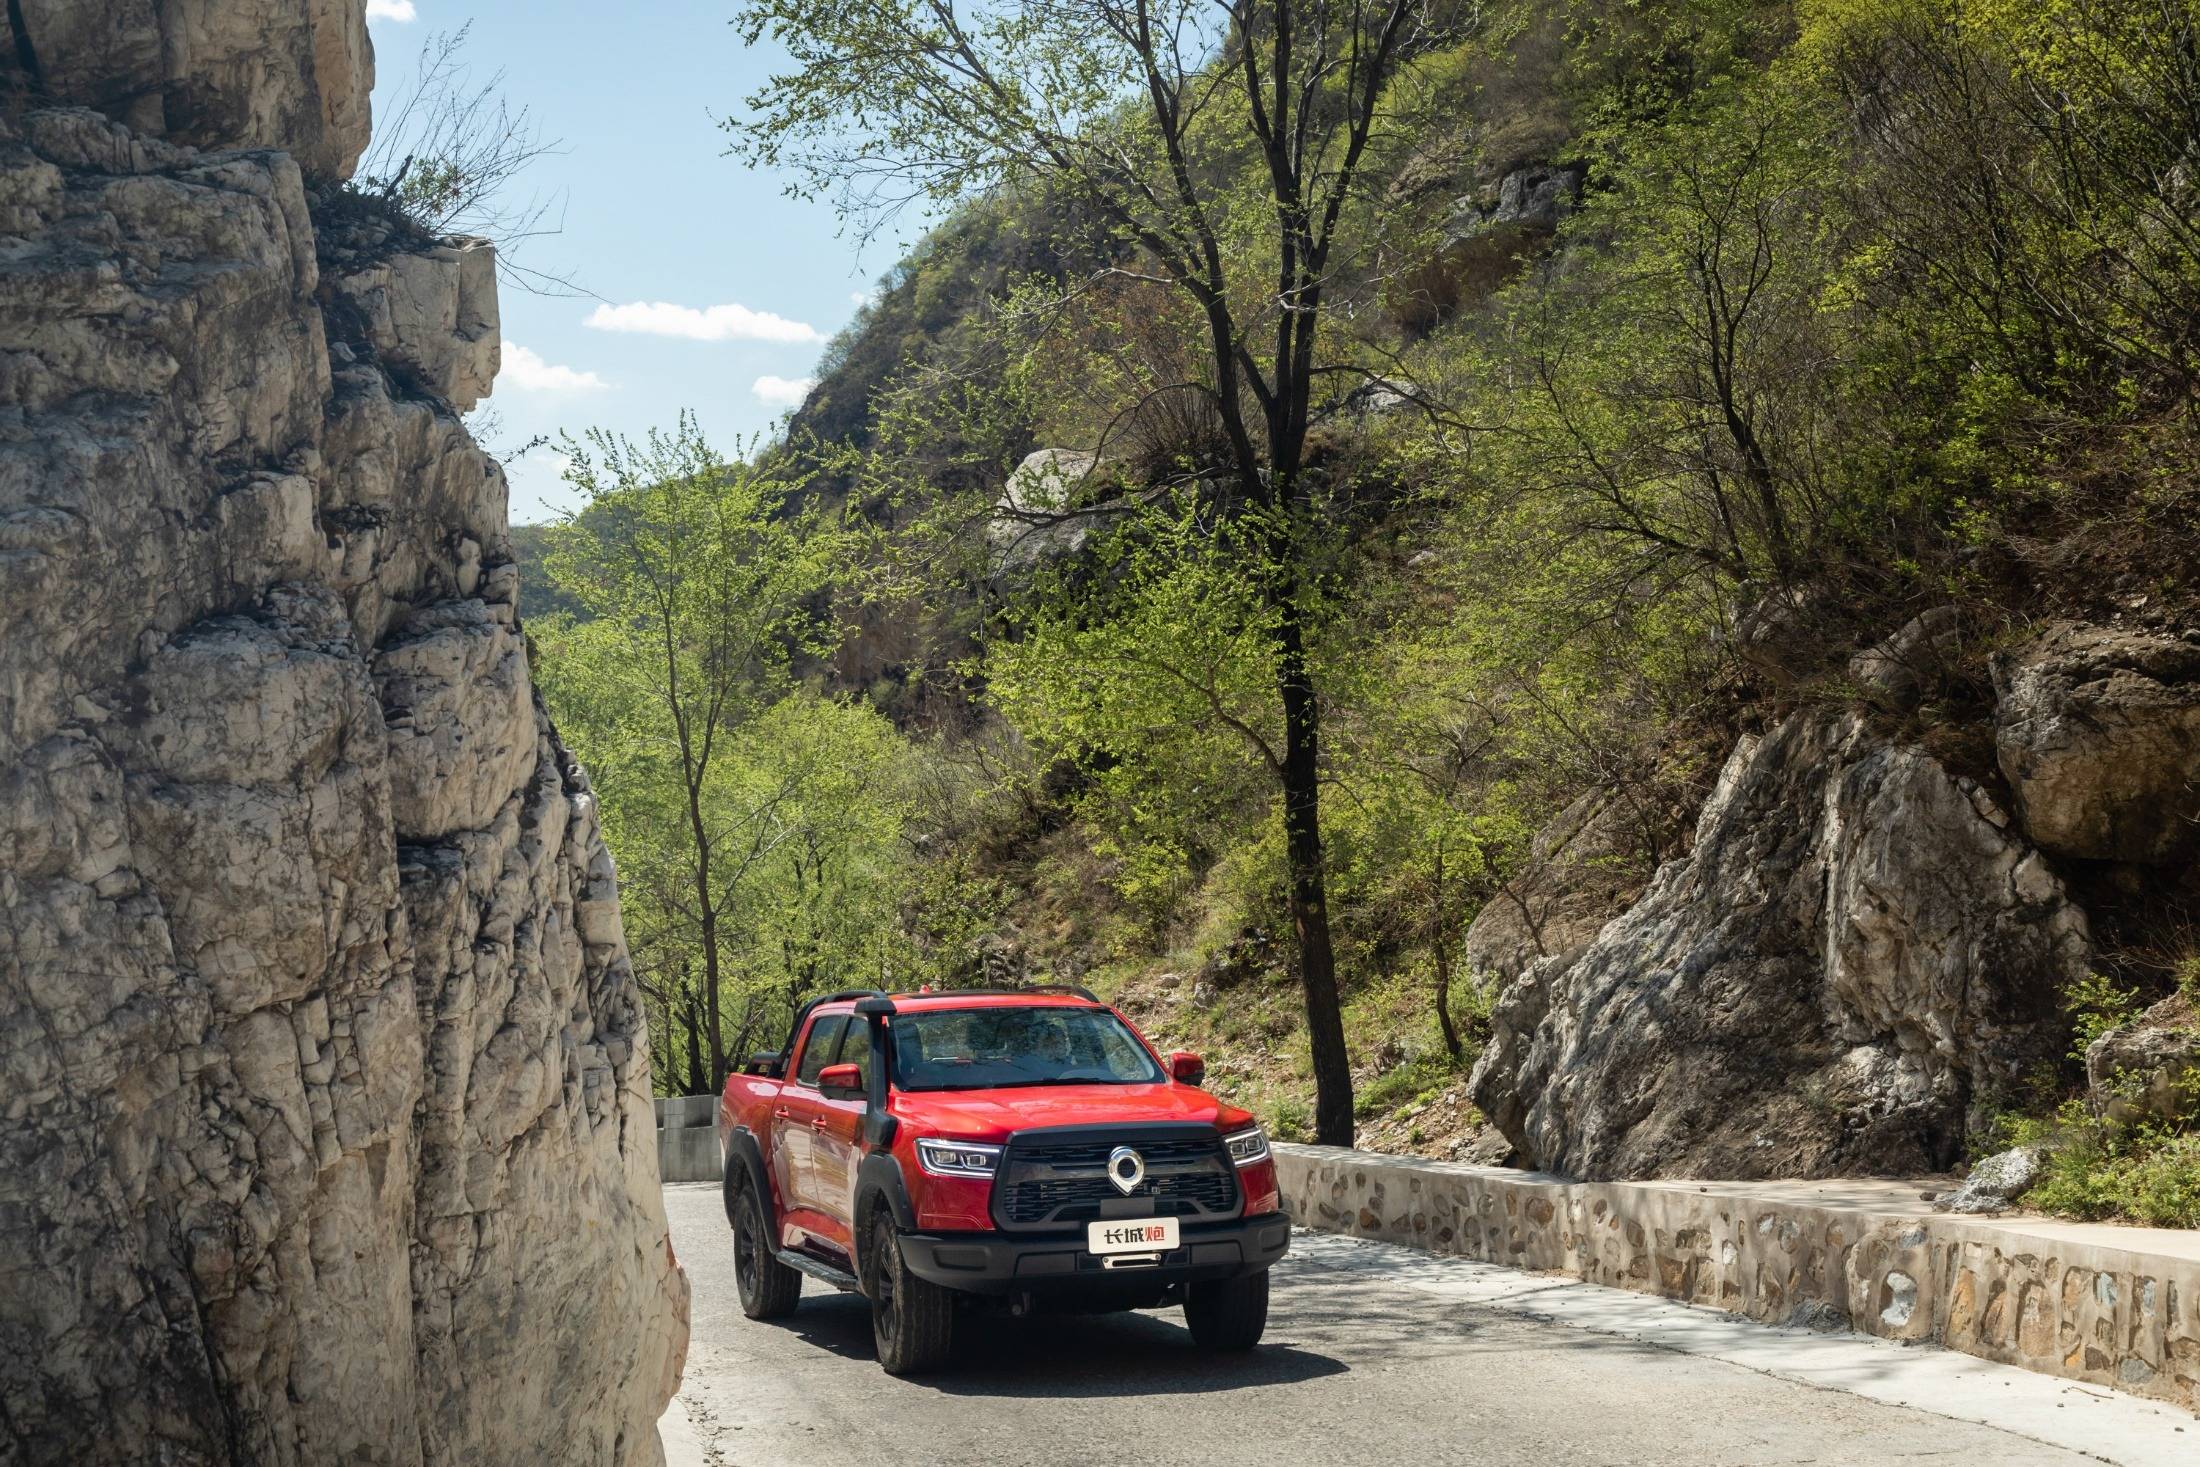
[683, 1448]
[2112, 1307]
[2100, 1425]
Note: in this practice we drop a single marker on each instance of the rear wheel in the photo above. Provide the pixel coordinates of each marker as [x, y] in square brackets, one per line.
[1228, 1314]
[912, 1320]
[768, 1288]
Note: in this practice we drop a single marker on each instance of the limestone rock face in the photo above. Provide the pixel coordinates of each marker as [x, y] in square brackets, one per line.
[1857, 951]
[1899, 671]
[1022, 532]
[456, 700]
[327, 1127]
[1490, 231]
[2148, 1069]
[434, 312]
[1531, 200]
[2098, 731]
[294, 74]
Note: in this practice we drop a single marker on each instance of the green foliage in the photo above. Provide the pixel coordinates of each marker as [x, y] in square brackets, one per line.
[1291, 1120]
[756, 823]
[2095, 1005]
[1419, 1079]
[1159, 685]
[2102, 1169]
[1866, 305]
[540, 595]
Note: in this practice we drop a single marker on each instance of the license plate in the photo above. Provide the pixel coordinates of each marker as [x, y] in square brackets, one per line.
[1133, 1235]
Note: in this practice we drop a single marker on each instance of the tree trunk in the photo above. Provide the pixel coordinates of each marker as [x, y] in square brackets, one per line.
[1309, 904]
[710, 1002]
[709, 934]
[708, 908]
[698, 1083]
[1440, 946]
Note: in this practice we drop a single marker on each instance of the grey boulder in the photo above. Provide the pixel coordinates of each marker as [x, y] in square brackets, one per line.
[1857, 958]
[2098, 731]
[1995, 1183]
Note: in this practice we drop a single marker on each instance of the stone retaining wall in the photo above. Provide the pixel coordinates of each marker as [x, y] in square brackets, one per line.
[687, 1139]
[2116, 1307]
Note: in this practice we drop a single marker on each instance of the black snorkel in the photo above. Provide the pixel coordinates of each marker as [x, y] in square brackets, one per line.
[878, 1126]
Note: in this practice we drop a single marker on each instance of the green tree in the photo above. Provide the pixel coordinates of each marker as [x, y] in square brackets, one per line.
[1136, 112]
[1158, 683]
[700, 574]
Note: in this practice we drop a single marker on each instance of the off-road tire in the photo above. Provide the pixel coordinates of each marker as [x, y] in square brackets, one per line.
[1228, 1314]
[768, 1288]
[912, 1320]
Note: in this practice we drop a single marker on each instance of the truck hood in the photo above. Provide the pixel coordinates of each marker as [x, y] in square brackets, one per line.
[990, 1115]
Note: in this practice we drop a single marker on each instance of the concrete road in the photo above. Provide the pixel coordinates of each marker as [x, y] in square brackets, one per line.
[1373, 1356]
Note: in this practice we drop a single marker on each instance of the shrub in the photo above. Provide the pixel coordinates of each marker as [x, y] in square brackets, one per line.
[2096, 1004]
[1290, 1120]
[2140, 1173]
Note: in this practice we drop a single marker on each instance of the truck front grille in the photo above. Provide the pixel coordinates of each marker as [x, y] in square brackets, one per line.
[1058, 1178]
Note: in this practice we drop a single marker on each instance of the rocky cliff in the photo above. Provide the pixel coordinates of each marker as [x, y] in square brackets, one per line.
[1862, 953]
[328, 1134]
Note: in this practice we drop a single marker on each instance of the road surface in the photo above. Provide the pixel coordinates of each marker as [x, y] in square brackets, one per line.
[1375, 1357]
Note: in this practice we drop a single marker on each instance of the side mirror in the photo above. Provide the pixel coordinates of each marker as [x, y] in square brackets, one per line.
[841, 1082]
[1187, 1068]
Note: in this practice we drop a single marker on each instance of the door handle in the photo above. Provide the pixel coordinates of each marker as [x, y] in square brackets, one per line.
[779, 1113]
[817, 1123]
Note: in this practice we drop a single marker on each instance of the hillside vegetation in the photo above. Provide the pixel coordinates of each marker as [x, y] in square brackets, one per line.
[1674, 352]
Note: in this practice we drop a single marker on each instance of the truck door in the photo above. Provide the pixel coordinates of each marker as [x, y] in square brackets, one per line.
[796, 1115]
[834, 1142]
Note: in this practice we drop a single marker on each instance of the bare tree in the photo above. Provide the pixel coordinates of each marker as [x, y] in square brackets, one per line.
[1138, 111]
[449, 153]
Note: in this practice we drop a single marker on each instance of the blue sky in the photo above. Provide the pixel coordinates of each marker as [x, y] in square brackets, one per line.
[723, 290]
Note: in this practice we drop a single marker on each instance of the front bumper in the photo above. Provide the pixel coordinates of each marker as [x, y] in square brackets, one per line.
[1000, 1263]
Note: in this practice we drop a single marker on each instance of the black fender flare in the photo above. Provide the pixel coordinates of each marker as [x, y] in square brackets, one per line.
[743, 1153]
[879, 1179]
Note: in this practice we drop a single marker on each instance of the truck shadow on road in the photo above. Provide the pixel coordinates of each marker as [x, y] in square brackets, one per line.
[1056, 1356]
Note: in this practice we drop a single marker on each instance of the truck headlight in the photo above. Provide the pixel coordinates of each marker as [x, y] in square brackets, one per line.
[1247, 1146]
[957, 1158]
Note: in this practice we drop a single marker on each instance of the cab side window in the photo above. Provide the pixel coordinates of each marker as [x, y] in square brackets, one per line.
[817, 1051]
[855, 1048]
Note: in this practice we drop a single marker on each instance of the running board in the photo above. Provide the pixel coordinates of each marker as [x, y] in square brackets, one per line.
[819, 1269]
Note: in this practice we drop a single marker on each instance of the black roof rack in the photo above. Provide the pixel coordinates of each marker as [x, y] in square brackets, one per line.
[802, 1014]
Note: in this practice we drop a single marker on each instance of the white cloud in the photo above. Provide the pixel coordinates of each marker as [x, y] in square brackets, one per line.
[527, 371]
[710, 323]
[785, 392]
[398, 10]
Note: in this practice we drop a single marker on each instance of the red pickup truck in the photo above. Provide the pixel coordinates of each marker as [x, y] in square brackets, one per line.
[939, 1152]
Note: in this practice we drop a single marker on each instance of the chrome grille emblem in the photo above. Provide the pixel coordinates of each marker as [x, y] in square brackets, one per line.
[1126, 1169]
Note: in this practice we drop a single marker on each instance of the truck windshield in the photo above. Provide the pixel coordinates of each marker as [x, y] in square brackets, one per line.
[993, 1048]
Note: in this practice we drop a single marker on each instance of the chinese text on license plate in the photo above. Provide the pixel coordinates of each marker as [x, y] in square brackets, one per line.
[1132, 1235]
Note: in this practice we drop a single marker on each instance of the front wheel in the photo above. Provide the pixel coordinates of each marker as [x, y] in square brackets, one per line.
[1228, 1314]
[912, 1320]
[768, 1288]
